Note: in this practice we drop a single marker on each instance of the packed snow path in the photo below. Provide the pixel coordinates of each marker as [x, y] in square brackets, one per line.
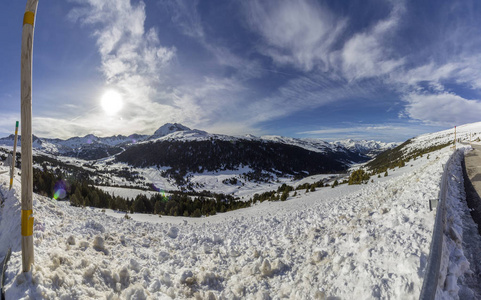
[473, 173]
[370, 241]
[471, 218]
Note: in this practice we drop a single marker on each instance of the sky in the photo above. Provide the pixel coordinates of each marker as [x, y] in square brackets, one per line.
[382, 70]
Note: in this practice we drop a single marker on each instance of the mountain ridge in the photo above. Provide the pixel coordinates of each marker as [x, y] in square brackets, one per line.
[105, 146]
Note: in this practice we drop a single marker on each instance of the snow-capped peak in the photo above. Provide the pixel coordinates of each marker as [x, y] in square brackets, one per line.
[365, 146]
[169, 128]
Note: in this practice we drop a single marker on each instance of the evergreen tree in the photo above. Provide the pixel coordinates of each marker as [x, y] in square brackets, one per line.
[139, 205]
[159, 207]
[358, 177]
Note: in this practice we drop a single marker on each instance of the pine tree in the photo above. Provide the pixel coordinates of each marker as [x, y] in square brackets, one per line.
[158, 207]
[73, 200]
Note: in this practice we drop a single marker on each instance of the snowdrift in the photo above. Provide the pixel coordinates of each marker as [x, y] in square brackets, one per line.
[371, 241]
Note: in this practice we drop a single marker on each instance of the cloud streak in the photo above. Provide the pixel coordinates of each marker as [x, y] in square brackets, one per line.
[299, 33]
[366, 55]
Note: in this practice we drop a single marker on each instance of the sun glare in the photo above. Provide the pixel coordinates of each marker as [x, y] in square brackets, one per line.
[111, 102]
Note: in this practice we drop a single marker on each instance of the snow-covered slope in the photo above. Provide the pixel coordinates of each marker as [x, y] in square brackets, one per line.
[367, 242]
[464, 133]
[316, 145]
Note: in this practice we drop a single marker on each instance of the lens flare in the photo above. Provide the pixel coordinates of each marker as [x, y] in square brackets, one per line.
[60, 190]
[164, 197]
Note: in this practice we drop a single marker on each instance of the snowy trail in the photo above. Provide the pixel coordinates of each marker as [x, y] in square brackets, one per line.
[371, 241]
[471, 242]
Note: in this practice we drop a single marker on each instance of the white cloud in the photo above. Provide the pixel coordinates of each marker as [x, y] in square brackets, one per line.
[368, 54]
[7, 123]
[132, 59]
[444, 109]
[300, 33]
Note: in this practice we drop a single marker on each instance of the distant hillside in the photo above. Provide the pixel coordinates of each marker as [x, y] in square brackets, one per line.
[212, 155]
[424, 144]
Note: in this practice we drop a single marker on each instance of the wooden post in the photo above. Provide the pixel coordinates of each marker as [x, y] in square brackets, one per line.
[26, 119]
[12, 170]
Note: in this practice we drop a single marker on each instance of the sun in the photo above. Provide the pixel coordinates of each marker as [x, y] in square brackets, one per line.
[111, 102]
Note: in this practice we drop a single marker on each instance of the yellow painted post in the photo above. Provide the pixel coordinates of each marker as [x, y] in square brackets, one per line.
[26, 119]
[12, 170]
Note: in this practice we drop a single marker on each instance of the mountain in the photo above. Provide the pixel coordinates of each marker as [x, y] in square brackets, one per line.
[182, 150]
[168, 128]
[89, 147]
[369, 148]
[197, 156]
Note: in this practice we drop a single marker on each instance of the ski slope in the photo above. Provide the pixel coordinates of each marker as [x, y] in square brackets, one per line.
[370, 241]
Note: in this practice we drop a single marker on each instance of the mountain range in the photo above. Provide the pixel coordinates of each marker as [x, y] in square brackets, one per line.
[175, 153]
[91, 147]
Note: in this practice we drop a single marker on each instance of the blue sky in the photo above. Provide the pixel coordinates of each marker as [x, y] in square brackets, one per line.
[384, 70]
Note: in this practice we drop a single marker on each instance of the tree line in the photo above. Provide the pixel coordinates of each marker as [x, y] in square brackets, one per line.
[61, 186]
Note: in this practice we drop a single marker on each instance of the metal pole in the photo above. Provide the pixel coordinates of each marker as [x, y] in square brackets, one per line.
[12, 171]
[26, 119]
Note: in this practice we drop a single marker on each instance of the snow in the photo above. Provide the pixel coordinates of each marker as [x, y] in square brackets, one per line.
[454, 264]
[365, 147]
[468, 132]
[127, 193]
[169, 128]
[371, 241]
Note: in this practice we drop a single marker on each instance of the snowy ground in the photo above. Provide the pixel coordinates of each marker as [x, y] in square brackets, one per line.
[127, 193]
[370, 241]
